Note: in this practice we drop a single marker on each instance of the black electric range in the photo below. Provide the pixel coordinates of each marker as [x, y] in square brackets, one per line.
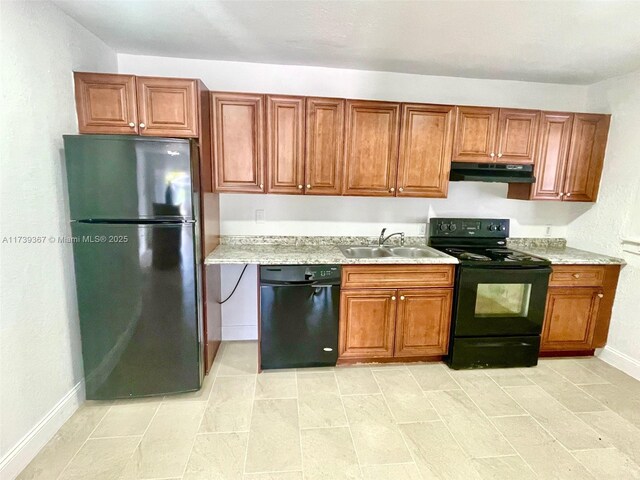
[500, 294]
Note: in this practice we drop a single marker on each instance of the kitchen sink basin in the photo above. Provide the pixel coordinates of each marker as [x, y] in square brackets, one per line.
[374, 251]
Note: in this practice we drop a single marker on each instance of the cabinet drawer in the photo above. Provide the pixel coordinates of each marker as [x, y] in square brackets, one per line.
[577, 276]
[397, 276]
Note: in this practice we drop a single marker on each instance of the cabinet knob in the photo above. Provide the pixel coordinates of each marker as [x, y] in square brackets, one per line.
[132, 125]
[142, 125]
[576, 275]
[392, 189]
[567, 194]
[499, 155]
[492, 154]
[401, 189]
[262, 185]
[299, 187]
[308, 186]
[600, 295]
[401, 297]
[393, 297]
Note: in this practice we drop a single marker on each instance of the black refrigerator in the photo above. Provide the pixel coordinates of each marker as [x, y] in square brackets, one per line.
[135, 227]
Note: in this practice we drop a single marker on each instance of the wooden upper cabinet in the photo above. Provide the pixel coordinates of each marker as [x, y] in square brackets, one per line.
[517, 135]
[238, 139]
[106, 103]
[324, 140]
[570, 318]
[371, 148]
[285, 144]
[423, 320]
[367, 323]
[551, 159]
[426, 140]
[475, 136]
[168, 107]
[586, 156]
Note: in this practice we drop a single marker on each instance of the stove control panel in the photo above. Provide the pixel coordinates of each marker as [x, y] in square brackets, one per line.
[469, 227]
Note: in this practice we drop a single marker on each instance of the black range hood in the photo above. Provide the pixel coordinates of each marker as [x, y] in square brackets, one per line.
[491, 172]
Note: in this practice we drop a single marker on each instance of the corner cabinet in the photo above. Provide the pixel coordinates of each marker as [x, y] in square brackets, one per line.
[371, 148]
[378, 321]
[238, 142]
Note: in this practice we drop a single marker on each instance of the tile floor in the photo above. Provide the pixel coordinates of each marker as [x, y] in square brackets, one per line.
[564, 419]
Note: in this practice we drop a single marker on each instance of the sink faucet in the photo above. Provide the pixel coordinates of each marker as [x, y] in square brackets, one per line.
[383, 239]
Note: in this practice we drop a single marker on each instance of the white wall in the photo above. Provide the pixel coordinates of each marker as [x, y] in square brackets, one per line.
[41, 362]
[615, 215]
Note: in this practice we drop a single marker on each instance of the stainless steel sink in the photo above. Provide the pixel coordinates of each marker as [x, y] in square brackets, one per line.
[374, 251]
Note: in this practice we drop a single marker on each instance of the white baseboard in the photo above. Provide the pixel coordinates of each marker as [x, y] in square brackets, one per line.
[621, 361]
[28, 447]
[239, 332]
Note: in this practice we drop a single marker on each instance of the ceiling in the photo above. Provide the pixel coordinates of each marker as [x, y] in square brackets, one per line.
[575, 42]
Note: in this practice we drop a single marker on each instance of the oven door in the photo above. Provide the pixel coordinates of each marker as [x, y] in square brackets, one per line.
[494, 301]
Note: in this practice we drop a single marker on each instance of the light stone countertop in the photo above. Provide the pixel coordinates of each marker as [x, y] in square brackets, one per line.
[568, 255]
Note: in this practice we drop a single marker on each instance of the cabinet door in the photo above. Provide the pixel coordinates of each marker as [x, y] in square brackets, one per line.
[426, 139]
[285, 144]
[570, 318]
[552, 155]
[367, 322]
[371, 148]
[422, 325]
[106, 103]
[238, 139]
[586, 155]
[475, 137]
[325, 142]
[517, 135]
[168, 107]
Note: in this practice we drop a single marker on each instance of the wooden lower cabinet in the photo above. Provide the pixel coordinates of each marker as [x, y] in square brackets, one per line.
[422, 322]
[570, 318]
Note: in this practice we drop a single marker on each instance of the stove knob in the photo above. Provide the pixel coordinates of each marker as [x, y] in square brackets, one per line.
[493, 228]
[444, 226]
[452, 227]
[503, 228]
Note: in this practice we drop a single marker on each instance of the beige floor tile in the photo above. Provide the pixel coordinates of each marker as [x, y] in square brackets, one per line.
[568, 429]
[55, 455]
[274, 476]
[239, 358]
[101, 459]
[201, 395]
[486, 393]
[503, 468]
[548, 458]
[436, 453]
[328, 454]
[124, 420]
[470, 427]
[618, 431]
[376, 437]
[304, 371]
[508, 377]
[611, 374]
[404, 396]
[274, 437]
[399, 471]
[166, 445]
[217, 456]
[356, 380]
[319, 403]
[619, 399]
[609, 464]
[433, 376]
[573, 371]
[276, 384]
[229, 406]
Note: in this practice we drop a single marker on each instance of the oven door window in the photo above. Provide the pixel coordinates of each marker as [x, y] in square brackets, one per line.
[502, 300]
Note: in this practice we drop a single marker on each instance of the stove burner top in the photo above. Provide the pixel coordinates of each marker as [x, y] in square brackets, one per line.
[468, 255]
[480, 254]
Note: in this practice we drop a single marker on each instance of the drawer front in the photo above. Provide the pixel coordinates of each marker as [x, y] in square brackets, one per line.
[397, 276]
[577, 276]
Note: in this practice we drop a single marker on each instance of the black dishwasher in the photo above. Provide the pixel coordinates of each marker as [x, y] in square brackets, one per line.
[299, 307]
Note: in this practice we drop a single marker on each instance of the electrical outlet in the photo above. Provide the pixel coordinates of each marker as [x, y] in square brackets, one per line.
[260, 216]
[547, 231]
[422, 229]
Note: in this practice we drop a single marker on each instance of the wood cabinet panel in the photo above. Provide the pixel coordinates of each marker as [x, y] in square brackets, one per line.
[367, 321]
[552, 155]
[586, 157]
[518, 132]
[397, 276]
[577, 276]
[325, 141]
[238, 138]
[168, 107]
[475, 135]
[106, 103]
[426, 140]
[570, 318]
[285, 144]
[371, 148]
[422, 323]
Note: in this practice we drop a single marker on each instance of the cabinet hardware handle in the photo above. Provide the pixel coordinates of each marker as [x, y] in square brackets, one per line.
[142, 125]
[132, 125]
[576, 275]
[499, 155]
[401, 297]
[393, 297]
[392, 189]
[600, 295]
[262, 185]
[401, 189]
[567, 194]
[299, 187]
[308, 186]
[492, 154]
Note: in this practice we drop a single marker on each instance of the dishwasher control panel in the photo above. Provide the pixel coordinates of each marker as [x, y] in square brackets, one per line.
[300, 273]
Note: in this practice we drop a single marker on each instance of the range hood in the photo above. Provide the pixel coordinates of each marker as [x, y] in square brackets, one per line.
[491, 172]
